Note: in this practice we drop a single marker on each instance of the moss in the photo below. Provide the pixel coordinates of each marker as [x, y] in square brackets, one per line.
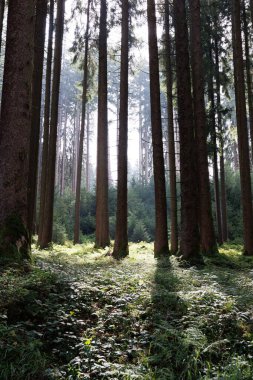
[14, 241]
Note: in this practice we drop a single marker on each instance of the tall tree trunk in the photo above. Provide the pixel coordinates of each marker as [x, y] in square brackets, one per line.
[88, 151]
[223, 197]
[15, 129]
[207, 235]
[102, 214]
[2, 8]
[248, 75]
[172, 160]
[190, 239]
[63, 168]
[214, 145]
[39, 43]
[242, 131]
[46, 120]
[121, 234]
[80, 151]
[49, 198]
[161, 229]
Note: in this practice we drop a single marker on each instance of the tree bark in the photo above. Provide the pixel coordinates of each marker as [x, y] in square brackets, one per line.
[15, 129]
[121, 234]
[46, 120]
[190, 239]
[102, 214]
[243, 146]
[161, 229]
[172, 160]
[223, 197]
[49, 198]
[207, 235]
[80, 151]
[2, 9]
[39, 43]
[248, 75]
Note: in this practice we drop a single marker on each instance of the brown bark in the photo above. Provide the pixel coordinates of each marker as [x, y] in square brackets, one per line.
[49, 198]
[39, 43]
[223, 197]
[63, 166]
[172, 160]
[190, 239]
[248, 75]
[243, 146]
[15, 127]
[121, 234]
[102, 214]
[161, 229]
[88, 151]
[80, 151]
[207, 235]
[46, 120]
[2, 9]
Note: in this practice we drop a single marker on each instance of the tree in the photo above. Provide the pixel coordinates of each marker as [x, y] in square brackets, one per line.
[161, 233]
[80, 151]
[102, 218]
[208, 241]
[243, 146]
[39, 43]
[49, 196]
[46, 120]
[190, 240]
[121, 235]
[15, 129]
[172, 163]
[2, 9]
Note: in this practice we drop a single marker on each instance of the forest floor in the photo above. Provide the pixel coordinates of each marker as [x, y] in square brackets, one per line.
[78, 314]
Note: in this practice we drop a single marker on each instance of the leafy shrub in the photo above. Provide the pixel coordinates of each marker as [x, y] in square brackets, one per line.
[59, 233]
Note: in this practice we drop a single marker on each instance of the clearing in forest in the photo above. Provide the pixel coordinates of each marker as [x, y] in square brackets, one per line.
[78, 314]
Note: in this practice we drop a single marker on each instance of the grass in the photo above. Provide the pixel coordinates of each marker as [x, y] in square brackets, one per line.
[78, 314]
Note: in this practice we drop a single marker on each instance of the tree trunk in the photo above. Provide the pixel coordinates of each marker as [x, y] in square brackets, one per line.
[49, 198]
[2, 8]
[248, 76]
[172, 161]
[121, 234]
[102, 214]
[63, 168]
[242, 131]
[88, 151]
[161, 229]
[39, 43]
[80, 151]
[15, 129]
[190, 239]
[46, 120]
[223, 197]
[207, 234]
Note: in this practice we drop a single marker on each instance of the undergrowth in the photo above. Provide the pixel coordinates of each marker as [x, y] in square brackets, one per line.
[78, 314]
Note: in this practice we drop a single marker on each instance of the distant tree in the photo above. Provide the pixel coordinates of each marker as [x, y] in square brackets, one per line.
[243, 145]
[102, 216]
[15, 129]
[81, 138]
[49, 198]
[190, 239]
[161, 233]
[121, 235]
[171, 132]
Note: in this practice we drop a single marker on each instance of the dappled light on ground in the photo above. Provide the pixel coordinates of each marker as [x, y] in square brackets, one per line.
[78, 314]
